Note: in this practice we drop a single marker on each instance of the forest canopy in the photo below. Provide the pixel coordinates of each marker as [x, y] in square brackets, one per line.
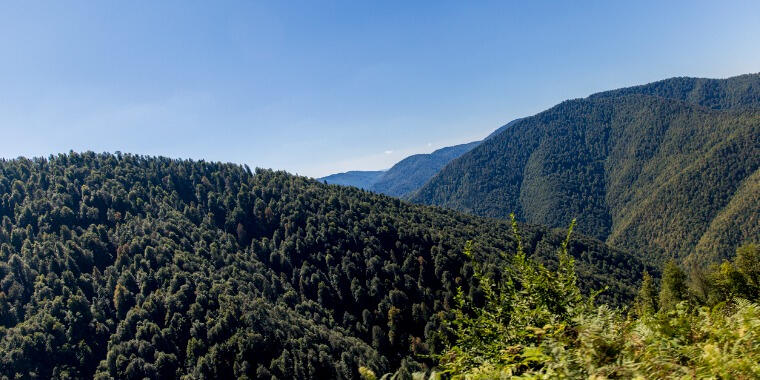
[124, 266]
[667, 169]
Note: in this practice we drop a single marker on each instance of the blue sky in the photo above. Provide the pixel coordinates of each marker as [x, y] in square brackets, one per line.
[317, 87]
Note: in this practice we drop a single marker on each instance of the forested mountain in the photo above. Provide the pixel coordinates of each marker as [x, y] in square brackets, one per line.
[739, 92]
[666, 169]
[412, 172]
[356, 178]
[123, 266]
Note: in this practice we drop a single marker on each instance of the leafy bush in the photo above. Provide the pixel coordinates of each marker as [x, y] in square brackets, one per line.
[534, 323]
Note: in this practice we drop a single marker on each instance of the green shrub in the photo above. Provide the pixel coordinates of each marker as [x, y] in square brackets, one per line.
[534, 323]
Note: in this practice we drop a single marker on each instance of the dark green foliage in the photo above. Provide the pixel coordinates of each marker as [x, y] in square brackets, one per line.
[524, 305]
[748, 264]
[673, 287]
[646, 301]
[740, 92]
[650, 168]
[132, 267]
[713, 285]
[737, 278]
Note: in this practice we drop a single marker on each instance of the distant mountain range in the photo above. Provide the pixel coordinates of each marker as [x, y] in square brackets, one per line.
[409, 174]
[412, 172]
[356, 178]
[405, 176]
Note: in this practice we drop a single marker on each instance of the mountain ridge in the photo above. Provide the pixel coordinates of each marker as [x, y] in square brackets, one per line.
[409, 174]
[412, 172]
[614, 141]
[404, 176]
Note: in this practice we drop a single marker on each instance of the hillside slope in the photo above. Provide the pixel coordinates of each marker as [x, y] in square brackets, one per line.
[501, 129]
[405, 176]
[135, 267]
[409, 174]
[643, 172]
[363, 179]
[412, 172]
[739, 92]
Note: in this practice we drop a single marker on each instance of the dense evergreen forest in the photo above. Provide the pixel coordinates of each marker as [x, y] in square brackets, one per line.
[668, 169]
[124, 266]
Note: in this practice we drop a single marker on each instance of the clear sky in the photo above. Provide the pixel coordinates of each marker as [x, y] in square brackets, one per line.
[317, 87]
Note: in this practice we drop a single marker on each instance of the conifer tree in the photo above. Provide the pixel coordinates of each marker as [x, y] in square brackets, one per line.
[646, 299]
[673, 288]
